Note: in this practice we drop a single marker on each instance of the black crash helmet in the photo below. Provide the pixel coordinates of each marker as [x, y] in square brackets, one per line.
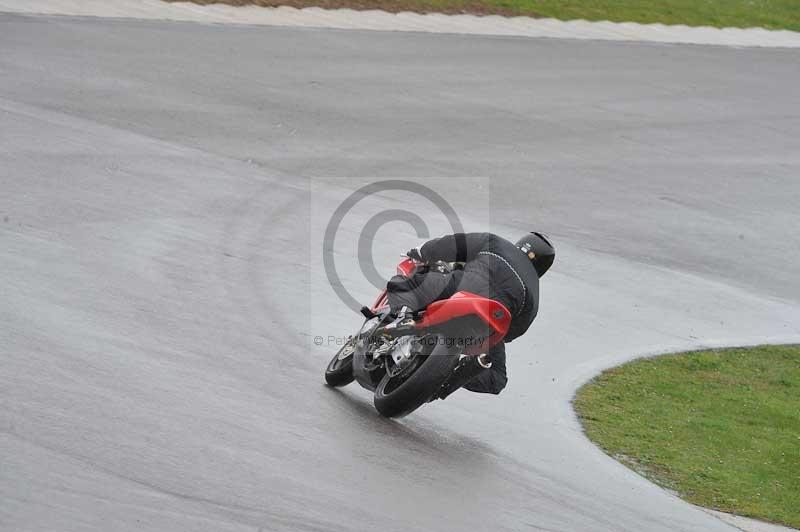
[539, 250]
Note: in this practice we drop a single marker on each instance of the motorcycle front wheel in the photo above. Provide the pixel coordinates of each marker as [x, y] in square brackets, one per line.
[340, 369]
[399, 395]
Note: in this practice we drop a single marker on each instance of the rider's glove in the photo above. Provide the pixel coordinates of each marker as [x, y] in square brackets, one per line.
[440, 266]
[414, 254]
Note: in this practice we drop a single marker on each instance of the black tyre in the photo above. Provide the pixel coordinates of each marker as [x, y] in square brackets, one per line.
[340, 369]
[400, 395]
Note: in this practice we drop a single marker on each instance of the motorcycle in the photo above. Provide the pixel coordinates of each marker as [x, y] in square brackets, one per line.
[406, 364]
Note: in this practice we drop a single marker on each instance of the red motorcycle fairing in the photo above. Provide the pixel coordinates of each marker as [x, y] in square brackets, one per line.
[407, 267]
[462, 304]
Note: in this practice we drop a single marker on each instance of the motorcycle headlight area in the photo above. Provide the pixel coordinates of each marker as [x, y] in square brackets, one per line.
[368, 327]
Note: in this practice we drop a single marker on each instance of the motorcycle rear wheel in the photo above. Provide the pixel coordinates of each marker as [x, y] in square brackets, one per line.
[340, 370]
[398, 399]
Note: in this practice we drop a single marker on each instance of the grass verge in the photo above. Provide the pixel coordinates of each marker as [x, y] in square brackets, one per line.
[721, 427]
[772, 14]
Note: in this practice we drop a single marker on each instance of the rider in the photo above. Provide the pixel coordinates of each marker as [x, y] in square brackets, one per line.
[493, 267]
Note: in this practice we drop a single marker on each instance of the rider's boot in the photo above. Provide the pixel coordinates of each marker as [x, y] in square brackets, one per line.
[399, 325]
[468, 368]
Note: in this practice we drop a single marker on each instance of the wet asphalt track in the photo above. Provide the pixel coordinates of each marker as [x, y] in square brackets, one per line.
[161, 283]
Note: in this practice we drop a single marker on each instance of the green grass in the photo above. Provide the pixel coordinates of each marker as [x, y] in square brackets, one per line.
[721, 428]
[773, 14]
[776, 14]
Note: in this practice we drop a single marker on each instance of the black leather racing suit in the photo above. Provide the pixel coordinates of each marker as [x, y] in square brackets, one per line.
[494, 268]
